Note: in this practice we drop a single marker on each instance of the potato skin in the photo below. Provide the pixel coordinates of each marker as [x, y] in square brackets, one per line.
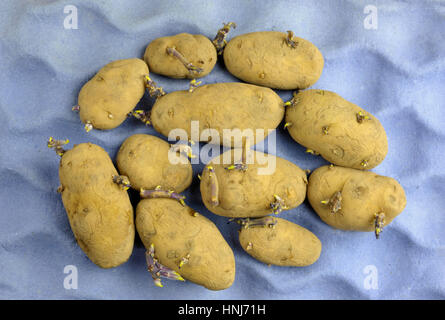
[347, 143]
[287, 244]
[219, 106]
[144, 160]
[197, 49]
[265, 59]
[364, 194]
[112, 93]
[249, 194]
[176, 232]
[99, 211]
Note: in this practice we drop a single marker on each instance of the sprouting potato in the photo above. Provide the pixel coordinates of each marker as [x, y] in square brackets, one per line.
[274, 59]
[340, 131]
[97, 203]
[182, 244]
[352, 199]
[144, 159]
[279, 242]
[220, 107]
[250, 186]
[105, 101]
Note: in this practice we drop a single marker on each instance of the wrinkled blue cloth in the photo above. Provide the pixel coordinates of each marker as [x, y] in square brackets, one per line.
[396, 72]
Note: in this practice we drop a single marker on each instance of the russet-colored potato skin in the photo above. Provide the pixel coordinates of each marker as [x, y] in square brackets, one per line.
[112, 93]
[347, 143]
[219, 106]
[364, 194]
[176, 233]
[249, 194]
[144, 160]
[286, 244]
[99, 211]
[265, 59]
[197, 49]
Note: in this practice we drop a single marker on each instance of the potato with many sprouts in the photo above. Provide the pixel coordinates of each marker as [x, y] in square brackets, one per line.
[351, 199]
[274, 59]
[182, 244]
[97, 203]
[149, 161]
[105, 101]
[219, 108]
[340, 131]
[279, 242]
[246, 183]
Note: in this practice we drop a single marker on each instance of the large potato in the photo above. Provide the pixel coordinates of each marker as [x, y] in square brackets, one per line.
[266, 59]
[112, 93]
[340, 131]
[99, 210]
[177, 233]
[169, 56]
[220, 106]
[253, 192]
[351, 199]
[144, 159]
[284, 244]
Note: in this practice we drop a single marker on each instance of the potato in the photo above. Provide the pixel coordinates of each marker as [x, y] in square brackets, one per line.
[340, 131]
[222, 107]
[266, 59]
[255, 192]
[99, 210]
[177, 233]
[144, 159]
[105, 100]
[283, 244]
[172, 56]
[351, 199]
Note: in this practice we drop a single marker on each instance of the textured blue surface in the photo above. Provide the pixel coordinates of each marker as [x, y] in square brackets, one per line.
[396, 72]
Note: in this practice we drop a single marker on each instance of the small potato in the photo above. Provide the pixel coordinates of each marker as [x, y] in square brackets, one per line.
[181, 56]
[351, 199]
[99, 210]
[180, 234]
[105, 100]
[254, 192]
[283, 244]
[144, 159]
[227, 108]
[340, 131]
[274, 60]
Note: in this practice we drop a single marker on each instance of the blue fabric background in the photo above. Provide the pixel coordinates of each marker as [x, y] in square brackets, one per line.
[396, 72]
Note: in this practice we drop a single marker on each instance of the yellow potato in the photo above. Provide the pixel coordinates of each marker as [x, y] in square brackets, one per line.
[222, 107]
[172, 56]
[112, 93]
[351, 199]
[180, 234]
[340, 131]
[255, 191]
[99, 210]
[283, 244]
[144, 159]
[266, 59]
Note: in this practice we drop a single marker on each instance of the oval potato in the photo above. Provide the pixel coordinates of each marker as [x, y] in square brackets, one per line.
[363, 194]
[99, 211]
[265, 59]
[326, 123]
[177, 232]
[112, 93]
[144, 159]
[222, 107]
[196, 49]
[285, 244]
[250, 193]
